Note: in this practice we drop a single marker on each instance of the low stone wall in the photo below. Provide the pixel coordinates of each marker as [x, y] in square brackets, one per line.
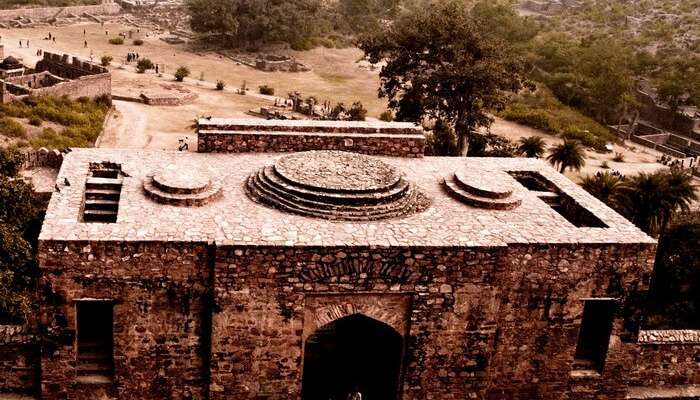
[43, 158]
[659, 147]
[220, 135]
[19, 360]
[51, 12]
[274, 142]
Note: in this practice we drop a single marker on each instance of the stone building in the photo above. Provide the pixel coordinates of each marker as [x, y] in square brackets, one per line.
[308, 275]
[54, 75]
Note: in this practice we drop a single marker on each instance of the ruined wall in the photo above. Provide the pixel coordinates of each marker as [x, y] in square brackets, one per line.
[51, 12]
[19, 360]
[663, 116]
[159, 294]
[484, 323]
[68, 67]
[272, 142]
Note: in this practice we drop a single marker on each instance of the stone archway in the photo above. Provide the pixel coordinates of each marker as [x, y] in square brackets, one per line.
[352, 353]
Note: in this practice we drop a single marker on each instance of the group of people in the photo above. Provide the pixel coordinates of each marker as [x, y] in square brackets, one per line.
[132, 57]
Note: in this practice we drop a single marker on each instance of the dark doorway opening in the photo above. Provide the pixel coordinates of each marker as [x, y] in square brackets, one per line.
[352, 354]
[95, 339]
[594, 334]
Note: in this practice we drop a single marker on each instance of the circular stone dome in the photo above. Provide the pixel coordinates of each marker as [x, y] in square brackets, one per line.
[335, 185]
[181, 187]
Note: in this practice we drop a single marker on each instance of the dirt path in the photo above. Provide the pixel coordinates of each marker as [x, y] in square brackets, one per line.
[125, 127]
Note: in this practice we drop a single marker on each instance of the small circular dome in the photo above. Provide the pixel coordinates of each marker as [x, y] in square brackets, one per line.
[181, 187]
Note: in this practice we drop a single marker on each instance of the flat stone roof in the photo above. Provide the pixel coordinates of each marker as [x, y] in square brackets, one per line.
[234, 219]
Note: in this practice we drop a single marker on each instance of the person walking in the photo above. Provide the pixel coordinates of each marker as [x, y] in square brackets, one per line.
[86, 44]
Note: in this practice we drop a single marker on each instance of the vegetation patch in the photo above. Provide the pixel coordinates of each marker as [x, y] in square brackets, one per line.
[334, 78]
[81, 119]
[541, 110]
[11, 128]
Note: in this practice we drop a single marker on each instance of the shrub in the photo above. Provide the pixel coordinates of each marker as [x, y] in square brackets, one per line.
[605, 165]
[220, 85]
[11, 128]
[182, 73]
[106, 60]
[143, 65]
[264, 89]
[357, 112]
[138, 42]
[386, 116]
[116, 40]
[619, 157]
[34, 120]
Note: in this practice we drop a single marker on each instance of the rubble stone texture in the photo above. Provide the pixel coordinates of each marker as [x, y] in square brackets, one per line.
[217, 301]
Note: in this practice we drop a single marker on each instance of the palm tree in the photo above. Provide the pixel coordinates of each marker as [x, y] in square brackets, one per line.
[606, 188]
[569, 154]
[531, 147]
[652, 199]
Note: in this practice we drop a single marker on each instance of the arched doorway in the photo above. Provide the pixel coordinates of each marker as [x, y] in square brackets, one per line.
[353, 353]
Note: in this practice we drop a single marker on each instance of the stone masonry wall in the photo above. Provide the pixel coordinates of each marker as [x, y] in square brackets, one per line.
[159, 292]
[50, 12]
[484, 323]
[266, 142]
[19, 360]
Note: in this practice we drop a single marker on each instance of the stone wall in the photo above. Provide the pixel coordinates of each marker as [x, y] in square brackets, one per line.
[663, 116]
[160, 329]
[51, 12]
[42, 158]
[272, 142]
[220, 322]
[19, 360]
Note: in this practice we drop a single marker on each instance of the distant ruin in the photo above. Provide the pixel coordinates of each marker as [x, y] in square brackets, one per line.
[54, 75]
[26, 17]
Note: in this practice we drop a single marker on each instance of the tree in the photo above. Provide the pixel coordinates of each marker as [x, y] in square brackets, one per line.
[441, 64]
[251, 22]
[143, 64]
[182, 73]
[606, 188]
[11, 161]
[567, 155]
[674, 293]
[651, 200]
[532, 146]
[20, 220]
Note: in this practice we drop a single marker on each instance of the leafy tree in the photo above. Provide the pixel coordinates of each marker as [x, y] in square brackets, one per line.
[606, 188]
[441, 140]
[441, 64]
[674, 295]
[245, 22]
[143, 64]
[20, 219]
[11, 161]
[567, 155]
[531, 146]
[491, 145]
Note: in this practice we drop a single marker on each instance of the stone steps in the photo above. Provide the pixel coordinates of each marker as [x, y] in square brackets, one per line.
[265, 196]
[489, 203]
[102, 191]
[196, 197]
[346, 198]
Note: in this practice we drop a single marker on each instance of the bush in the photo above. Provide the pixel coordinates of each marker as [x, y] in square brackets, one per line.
[605, 165]
[143, 64]
[619, 157]
[116, 40]
[220, 85]
[386, 116]
[106, 60]
[82, 119]
[138, 42]
[182, 73]
[357, 112]
[34, 120]
[11, 128]
[264, 89]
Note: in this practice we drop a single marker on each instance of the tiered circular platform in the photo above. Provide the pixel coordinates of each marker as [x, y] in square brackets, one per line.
[491, 190]
[335, 185]
[181, 188]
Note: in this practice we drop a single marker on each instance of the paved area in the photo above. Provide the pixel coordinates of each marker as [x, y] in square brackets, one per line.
[236, 219]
